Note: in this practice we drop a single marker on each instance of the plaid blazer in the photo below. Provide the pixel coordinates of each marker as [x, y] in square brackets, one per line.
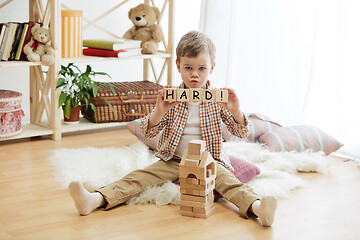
[173, 123]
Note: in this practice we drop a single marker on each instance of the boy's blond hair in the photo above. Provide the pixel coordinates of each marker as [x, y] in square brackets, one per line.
[193, 43]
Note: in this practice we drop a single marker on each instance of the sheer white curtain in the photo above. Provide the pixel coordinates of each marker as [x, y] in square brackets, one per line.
[295, 61]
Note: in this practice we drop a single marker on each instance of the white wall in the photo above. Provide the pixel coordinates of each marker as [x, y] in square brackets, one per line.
[186, 19]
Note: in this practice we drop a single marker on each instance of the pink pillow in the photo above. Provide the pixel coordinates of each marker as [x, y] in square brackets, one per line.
[243, 170]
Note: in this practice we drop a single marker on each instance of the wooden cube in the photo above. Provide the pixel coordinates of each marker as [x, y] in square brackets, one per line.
[186, 208]
[222, 95]
[196, 94]
[192, 162]
[183, 95]
[209, 95]
[193, 198]
[191, 180]
[170, 94]
[195, 149]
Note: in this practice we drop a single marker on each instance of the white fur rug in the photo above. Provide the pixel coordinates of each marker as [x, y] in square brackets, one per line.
[99, 166]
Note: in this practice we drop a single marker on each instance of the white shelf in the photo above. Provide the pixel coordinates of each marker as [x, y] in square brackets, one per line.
[30, 130]
[8, 64]
[33, 130]
[97, 59]
[87, 125]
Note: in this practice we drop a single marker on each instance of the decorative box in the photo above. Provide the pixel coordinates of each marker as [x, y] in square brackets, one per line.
[132, 100]
[10, 113]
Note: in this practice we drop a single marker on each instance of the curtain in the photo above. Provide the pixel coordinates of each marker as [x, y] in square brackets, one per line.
[298, 61]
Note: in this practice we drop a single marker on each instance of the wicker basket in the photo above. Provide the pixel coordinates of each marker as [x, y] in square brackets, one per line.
[132, 100]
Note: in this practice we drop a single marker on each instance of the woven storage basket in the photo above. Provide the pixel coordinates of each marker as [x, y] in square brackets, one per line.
[10, 113]
[132, 100]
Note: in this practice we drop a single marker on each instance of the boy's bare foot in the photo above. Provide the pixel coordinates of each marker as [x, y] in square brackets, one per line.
[85, 202]
[265, 210]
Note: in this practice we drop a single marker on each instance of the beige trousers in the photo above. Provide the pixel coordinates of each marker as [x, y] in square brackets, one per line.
[159, 172]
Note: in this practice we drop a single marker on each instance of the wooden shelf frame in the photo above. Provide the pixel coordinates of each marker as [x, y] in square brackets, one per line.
[43, 93]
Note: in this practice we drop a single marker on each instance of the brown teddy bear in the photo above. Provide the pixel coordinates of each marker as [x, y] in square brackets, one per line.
[39, 48]
[144, 18]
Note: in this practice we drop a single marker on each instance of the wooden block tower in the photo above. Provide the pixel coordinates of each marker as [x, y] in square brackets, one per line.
[197, 174]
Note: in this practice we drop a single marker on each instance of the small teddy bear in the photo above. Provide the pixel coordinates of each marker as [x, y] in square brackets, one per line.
[144, 17]
[39, 48]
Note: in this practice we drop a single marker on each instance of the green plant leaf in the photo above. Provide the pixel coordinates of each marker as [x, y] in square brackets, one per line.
[86, 103]
[62, 98]
[60, 82]
[88, 70]
[101, 73]
[94, 89]
[111, 106]
[82, 83]
[67, 107]
[93, 108]
[111, 87]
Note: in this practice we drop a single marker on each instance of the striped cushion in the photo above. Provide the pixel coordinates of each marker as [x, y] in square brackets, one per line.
[300, 138]
[260, 125]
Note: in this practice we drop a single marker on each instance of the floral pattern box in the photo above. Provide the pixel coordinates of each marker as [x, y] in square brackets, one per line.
[10, 113]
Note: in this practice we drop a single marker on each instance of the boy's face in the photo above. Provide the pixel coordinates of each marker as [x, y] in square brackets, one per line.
[195, 70]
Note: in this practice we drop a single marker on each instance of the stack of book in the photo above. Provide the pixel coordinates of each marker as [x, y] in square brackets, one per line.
[112, 48]
[13, 37]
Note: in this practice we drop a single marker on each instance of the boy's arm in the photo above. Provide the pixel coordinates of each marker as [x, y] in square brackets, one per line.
[233, 117]
[152, 124]
[150, 127]
[241, 130]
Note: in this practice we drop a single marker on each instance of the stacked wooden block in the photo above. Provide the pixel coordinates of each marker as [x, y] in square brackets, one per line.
[197, 174]
[195, 95]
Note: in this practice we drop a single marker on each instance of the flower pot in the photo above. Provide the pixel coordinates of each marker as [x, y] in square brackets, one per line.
[74, 116]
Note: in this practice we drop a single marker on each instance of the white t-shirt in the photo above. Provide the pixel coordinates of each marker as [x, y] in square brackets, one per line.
[192, 128]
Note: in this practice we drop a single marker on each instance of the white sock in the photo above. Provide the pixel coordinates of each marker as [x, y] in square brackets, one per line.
[265, 209]
[85, 202]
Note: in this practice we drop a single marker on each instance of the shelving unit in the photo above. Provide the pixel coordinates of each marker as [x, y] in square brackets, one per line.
[43, 92]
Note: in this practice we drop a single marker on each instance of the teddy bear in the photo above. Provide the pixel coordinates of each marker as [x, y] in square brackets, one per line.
[39, 48]
[145, 29]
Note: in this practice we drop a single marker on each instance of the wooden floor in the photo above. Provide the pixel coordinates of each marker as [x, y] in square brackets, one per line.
[33, 207]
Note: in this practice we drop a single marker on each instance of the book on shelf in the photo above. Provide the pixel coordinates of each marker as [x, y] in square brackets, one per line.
[15, 45]
[2, 33]
[21, 42]
[6, 33]
[112, 53]
[8, 41]
[112, 44]
[13, 37]
[27, 39]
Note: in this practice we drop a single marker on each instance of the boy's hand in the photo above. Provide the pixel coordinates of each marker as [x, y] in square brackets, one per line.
[161, 108]
[233, 105]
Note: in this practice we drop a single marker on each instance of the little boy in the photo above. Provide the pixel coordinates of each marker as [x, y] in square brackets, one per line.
[181, 122]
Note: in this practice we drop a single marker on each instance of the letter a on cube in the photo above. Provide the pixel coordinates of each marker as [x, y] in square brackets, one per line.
[183, 95]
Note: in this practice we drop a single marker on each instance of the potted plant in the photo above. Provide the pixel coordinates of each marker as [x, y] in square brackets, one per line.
[77, 88]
